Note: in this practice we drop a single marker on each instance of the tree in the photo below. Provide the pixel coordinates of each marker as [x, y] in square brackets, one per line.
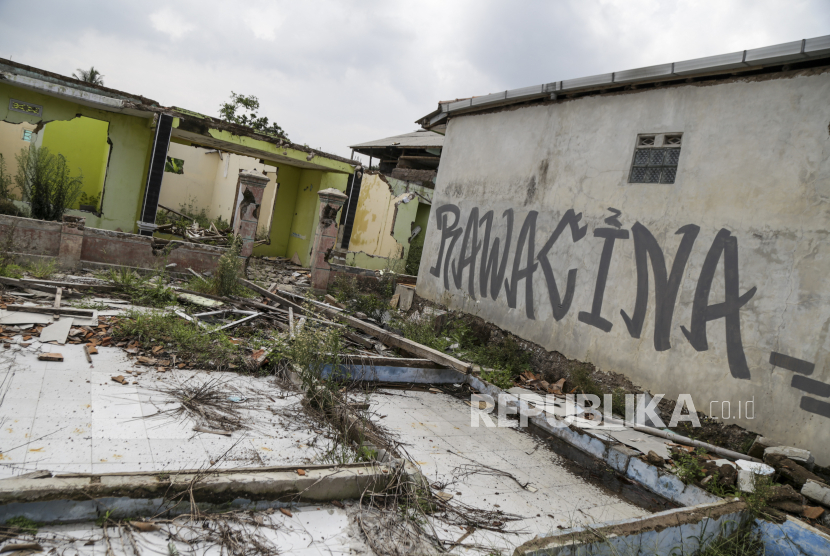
[91, 75]
[46, 183]
[234, 112]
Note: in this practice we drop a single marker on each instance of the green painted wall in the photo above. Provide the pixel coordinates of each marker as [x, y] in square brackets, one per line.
[422, 219]
[272, 148]
[83, 143]
[132, 139]
[281, 220]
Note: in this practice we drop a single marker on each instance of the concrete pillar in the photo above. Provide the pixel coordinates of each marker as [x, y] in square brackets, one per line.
[249, 190]
[72, 241]
[331, 201]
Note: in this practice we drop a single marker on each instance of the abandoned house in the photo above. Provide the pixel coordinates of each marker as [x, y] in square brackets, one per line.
[668, 223]
[388, 208]
[263, 414]
[135, 154]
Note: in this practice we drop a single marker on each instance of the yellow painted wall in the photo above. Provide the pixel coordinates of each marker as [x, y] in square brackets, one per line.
[11, 142]
[379, 237]
[283, 216]
[83, 143]
[193, 188]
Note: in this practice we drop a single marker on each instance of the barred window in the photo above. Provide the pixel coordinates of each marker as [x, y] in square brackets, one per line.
[27, 135]
[655, 158]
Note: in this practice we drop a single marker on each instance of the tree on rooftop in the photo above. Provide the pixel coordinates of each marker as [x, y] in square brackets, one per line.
[242, 110]
[91, 75]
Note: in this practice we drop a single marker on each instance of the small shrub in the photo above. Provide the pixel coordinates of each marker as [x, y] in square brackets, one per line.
[5, 180]
[413, 259]
[8, 207]
[43, 269]
[46, 182]
[226, 277]
[688, 467]
[7, 266]
[502, 379]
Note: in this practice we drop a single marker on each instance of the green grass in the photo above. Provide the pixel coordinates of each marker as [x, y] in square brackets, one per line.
[43, 269]
[688, 467]
[11, 270]
[190, 342]
[24, 524]
[149, 291]
[742, 542]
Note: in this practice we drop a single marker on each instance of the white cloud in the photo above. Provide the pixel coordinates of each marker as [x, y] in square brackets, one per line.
[338, 72]
[170, 23]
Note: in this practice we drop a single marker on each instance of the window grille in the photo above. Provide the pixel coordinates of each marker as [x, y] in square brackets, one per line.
[656, 158]
[27, 135]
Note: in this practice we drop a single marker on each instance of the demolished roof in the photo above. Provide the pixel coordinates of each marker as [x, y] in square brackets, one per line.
[192, 126]
[420, 139]
[777, 57]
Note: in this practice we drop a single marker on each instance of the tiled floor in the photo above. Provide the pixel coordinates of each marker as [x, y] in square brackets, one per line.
[437, 432]
[311, 531]
[72, 417]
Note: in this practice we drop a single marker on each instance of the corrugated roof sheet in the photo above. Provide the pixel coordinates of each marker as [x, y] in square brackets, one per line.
[422, 139]
[796, 51]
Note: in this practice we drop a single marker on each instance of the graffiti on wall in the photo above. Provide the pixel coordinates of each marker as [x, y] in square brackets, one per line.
[472, 247]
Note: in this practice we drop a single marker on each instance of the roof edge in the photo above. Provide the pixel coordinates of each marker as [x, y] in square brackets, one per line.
[710, 66]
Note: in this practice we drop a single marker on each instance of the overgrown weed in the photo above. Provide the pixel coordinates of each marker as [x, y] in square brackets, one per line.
[687, 465]
[43, 269]
[150, 291]
[8, 268]
[188, 340]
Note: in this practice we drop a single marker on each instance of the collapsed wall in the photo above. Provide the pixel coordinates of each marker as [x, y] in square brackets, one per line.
[713, 285]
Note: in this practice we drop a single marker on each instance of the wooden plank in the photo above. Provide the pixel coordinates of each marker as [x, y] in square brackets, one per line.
[58, 298]
[272, 296]
[237, 322]
[409, 346]
[359, 339]
[26, 284]
[291, 321]
[51, 310]
[384, 336]
[70, 285]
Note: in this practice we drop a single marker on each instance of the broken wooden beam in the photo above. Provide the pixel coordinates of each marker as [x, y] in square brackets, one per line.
[399, 342]
[51, 310]
[272, 296]
[69, 285]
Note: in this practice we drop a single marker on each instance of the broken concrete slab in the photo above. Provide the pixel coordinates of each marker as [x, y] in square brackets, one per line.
[760, 444]
[199, 300]
[406, 295]
[803, 457]
[58, 331]
[72, 497]
[817, 492]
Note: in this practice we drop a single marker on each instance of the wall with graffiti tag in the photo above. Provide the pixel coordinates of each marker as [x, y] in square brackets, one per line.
[713, 285]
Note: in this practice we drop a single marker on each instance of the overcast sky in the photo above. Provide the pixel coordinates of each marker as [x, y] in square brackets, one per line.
[336, 73]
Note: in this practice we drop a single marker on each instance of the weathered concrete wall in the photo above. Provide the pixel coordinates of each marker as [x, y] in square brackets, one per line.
[739, 242]
[75, 246]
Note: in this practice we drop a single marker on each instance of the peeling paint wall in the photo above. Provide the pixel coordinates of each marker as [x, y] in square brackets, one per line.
[736, 247]
[194, 187]
[11, 141]
[386, 210]
[131, 139]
